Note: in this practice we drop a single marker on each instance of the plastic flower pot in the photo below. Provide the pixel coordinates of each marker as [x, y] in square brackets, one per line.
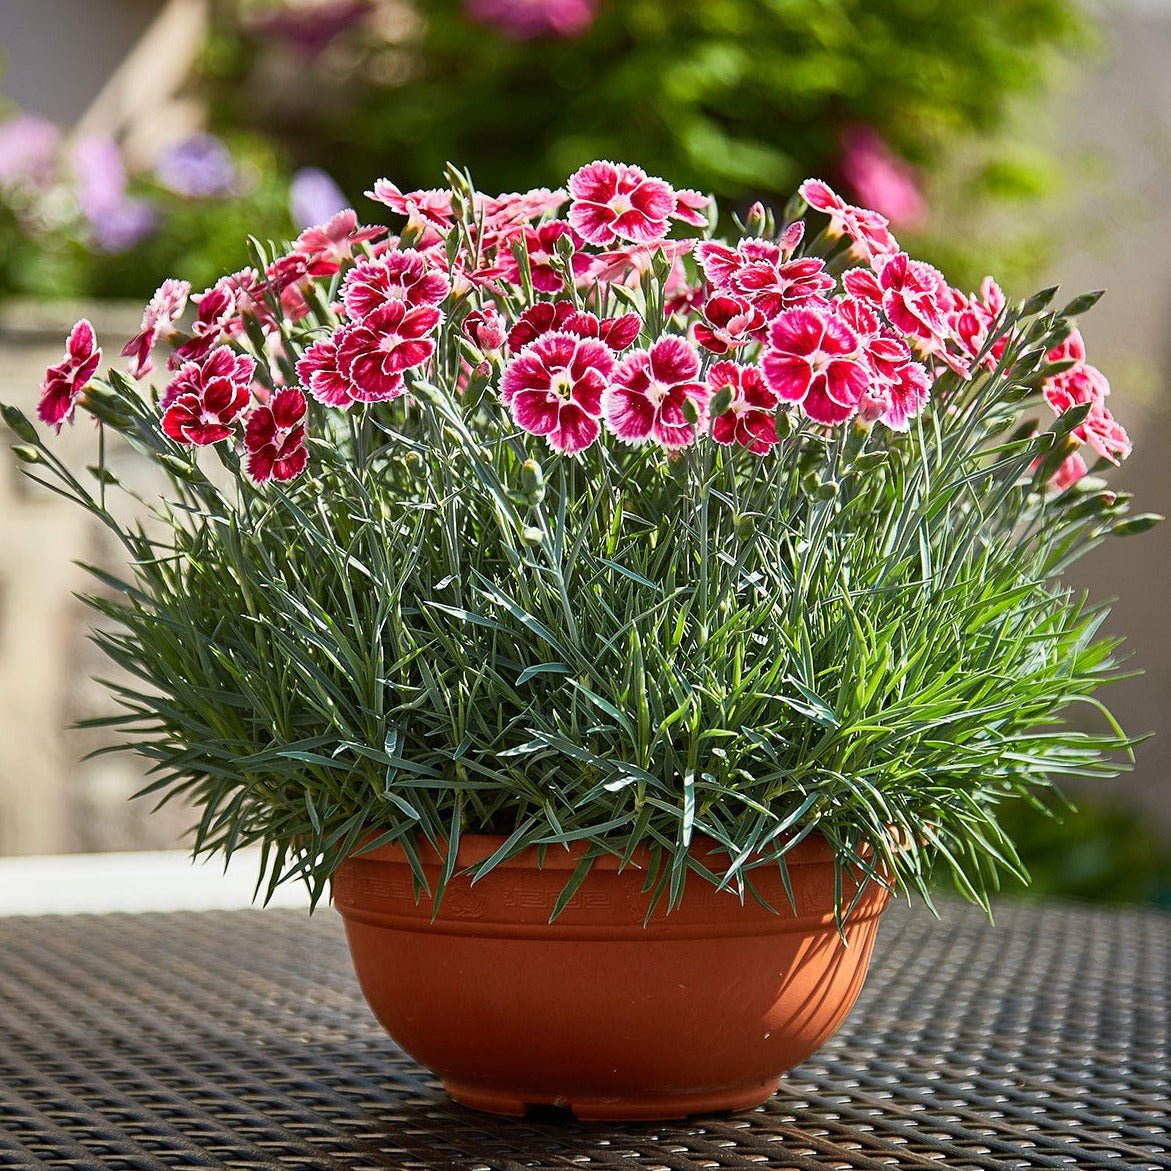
[603, 1011]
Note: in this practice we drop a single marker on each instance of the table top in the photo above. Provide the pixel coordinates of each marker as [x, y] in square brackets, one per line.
[240, 1039]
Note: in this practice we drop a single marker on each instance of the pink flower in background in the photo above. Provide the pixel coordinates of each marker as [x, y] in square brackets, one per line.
[202, 401]
[648, 397]
[310, 27]
[615, 201]
[522, 20]
[728, 323]
[814, 358]
[395, 276]
[274, 437]
[319, 372]
[554, 388]
[325, 246]
[158, 319]
[750, 420]
[882, 180]
[64, 382]
[29, 146]
[375, 352]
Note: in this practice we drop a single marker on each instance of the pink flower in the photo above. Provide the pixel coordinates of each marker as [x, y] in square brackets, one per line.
[275, 437]
[554, 388]
[750, 421]
[217, 318]
[691, 208]
[814, 358]
[619, 333]
[541, 244]
[899, 386]
[881, 179]
[648, 397]
[627, 264]
[971, 320]
[615, 201]
[158, 318]
[428, 212]
[395, 276]
[758, 271]
[319, 372]
[326, 246]
[1072, 469]
[728, 322]
[202, 401]
[522, 20]
[519, 208]
[541, 317]
[484, 328]
[868, 231]
[374, 353]
[64, 382]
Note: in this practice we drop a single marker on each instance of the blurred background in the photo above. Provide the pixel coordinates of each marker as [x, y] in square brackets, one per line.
[141, 139]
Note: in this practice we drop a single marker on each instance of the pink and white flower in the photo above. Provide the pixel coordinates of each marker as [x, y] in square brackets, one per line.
[428, 212]
[395, 276]
[484, 328]
[274, 437]
[319, 373]
[217, 318]
[649, 397]
[554, 388]
[750, 420]
[158, 320]
[206, 396]
[899, 386]
[815, 359]
[691, 208]
[375, 352]
[327, 246]
[539, 318]
[541, 245]
[728, 323]
[615, 201]
[868, 231]
[758, 271]
[64, 382]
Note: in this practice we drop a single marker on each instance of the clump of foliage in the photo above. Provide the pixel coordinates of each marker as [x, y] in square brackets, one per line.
[600, 529]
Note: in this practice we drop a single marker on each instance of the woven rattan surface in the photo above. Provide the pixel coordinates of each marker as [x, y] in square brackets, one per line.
[240, 1039]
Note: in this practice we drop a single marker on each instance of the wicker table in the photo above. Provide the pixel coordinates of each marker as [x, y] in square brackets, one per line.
[239, 1039]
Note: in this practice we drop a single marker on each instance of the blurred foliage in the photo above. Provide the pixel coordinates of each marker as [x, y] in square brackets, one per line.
[56, 255]
[743, 98]
[1097, 851]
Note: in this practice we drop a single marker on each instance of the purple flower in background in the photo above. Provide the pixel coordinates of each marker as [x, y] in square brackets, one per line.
[197, 167]
[117, 221]
[28, 151]
[123, 226]
[522, 20]
[314, 198]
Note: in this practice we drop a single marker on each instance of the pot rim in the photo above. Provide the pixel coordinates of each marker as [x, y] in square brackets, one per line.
[812, 850]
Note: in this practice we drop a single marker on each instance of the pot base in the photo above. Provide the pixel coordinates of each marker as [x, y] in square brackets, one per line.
[628, 1108]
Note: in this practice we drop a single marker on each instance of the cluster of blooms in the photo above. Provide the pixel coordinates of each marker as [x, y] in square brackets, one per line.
[537, 299]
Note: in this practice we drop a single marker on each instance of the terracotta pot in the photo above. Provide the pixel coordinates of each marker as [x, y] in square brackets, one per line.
[698, 1010]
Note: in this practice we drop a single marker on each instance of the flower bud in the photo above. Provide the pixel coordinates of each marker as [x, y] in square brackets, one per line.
[721, 401]
[532, 480]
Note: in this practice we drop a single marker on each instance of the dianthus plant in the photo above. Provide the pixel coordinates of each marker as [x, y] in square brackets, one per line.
[555, 517]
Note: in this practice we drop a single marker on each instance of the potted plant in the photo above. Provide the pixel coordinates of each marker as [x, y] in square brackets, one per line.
[613, 614]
